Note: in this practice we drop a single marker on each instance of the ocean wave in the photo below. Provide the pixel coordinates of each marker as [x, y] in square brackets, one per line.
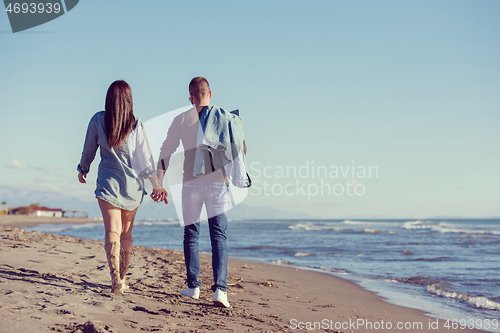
[475, 232]
[390, 280]
[267, 249]
[419, 280]
[334, 270]
[50, 230]
[86, 225]
[436, 259]
[55, 228]
[478, 302]
[303, 254]
[415, 225]
[349, 222]
[157, 222]
[282, 262]
[314, 227]
[445, 227]
[323, 227]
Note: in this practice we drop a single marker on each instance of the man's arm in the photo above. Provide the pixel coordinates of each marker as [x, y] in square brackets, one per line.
[169, 147]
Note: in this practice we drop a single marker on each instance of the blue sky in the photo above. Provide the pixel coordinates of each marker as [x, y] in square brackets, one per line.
[408, 87]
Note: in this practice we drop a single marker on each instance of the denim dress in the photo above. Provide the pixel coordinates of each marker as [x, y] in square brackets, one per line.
[121, 173]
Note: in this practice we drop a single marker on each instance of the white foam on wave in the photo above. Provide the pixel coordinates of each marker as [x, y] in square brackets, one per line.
[54, 228]
[312, 226]
[85, 225]
[156, 222]
[466, 231]
[478, 302]
[339, 271]
[303, 254]
[444, 227]
[415, 225]
[323, 227]
[282, 262]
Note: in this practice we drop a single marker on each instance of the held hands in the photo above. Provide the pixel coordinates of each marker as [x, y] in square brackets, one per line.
[159, 194]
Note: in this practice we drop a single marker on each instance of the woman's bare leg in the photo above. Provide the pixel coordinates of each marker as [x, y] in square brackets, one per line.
[113, 227]
[126, 242]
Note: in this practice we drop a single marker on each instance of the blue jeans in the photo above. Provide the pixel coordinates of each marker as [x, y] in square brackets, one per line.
[215, 195]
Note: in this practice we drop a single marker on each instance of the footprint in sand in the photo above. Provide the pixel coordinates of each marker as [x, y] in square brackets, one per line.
[87, 257]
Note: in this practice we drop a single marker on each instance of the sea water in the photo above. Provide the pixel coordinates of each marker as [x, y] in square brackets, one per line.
[449, 268]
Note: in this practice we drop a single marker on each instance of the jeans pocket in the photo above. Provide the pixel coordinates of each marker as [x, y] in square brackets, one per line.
[190, 193]
[218, 192]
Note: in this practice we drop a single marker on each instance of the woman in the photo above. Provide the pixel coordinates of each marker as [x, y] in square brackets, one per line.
[126, 161]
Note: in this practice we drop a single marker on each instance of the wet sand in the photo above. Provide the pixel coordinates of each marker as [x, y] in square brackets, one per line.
[51, 283]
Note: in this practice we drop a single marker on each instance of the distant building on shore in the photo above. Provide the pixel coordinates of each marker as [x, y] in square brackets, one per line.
[46, 211]
[76, 213]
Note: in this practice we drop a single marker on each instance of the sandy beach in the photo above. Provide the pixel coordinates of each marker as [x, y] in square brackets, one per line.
[62, 284]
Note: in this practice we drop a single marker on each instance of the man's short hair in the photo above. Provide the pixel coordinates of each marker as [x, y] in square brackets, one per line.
[196, 81]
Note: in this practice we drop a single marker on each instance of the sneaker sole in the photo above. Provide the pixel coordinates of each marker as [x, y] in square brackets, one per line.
[222, 305]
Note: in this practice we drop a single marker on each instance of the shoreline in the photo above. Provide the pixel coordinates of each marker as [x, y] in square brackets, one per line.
[264, 297]
[27, 221]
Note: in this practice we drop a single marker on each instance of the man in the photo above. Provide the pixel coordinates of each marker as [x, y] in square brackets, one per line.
[202, 184]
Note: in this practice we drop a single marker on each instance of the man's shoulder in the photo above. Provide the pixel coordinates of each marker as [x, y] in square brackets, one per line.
[186, 114]
[180, 118]
[216, 109]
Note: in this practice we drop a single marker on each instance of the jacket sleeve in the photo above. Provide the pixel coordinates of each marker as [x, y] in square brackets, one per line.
[89, 147]
[169, 145]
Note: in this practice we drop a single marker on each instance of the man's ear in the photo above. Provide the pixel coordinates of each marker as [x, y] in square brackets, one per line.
[210, 94]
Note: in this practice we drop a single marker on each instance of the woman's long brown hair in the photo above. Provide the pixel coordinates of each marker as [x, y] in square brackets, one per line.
[119, 116]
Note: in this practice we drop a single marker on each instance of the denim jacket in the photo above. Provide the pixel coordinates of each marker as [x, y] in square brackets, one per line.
[221, 133]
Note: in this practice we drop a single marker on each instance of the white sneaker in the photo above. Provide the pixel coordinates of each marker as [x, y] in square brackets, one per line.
[191, 292]
[220, 299]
